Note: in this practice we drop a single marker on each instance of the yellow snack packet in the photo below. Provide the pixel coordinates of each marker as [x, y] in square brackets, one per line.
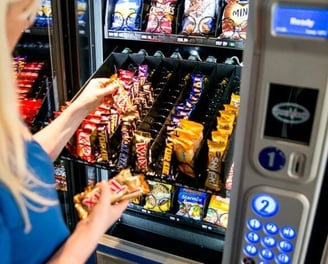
[223, 123]
[231, 108]
[228, 115]
[235, 100]
[219, 137]
[197, 128]
[185, 153]
[224, 132]
[191, 135]
[183, 149]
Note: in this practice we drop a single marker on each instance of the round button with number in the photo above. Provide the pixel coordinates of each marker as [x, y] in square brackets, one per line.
[265, 205]
[272, 159]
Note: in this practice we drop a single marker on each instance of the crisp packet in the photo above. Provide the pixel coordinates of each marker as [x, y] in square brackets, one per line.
[159, 198]
[199, 16]
[124, 186]
[218, 211]
[234, 20]
[161, 16]
[127, 15]
[191, 203]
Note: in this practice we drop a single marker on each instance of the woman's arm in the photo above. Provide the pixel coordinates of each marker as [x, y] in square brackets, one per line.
[83, 241]
[55, 136]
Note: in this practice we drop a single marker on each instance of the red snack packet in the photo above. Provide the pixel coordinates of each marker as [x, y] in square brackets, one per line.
[27, 75]
[83, 148]
[161, 16]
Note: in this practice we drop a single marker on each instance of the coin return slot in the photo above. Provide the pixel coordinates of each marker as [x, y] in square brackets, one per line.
[297, 165]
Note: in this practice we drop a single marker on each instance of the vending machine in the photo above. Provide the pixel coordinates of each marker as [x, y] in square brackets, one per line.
[278, 154]
[278, 194]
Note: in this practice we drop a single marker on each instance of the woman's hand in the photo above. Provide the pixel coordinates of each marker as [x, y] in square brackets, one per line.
[104, 214]
[96, 91]
[84, 239]
[55, 136]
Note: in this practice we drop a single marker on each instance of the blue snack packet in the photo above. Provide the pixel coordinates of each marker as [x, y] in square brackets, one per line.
[127, 15]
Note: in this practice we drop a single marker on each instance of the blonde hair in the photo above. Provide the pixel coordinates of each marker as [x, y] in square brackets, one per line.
[14, 169]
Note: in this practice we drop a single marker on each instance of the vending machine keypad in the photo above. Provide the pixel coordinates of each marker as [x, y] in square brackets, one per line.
[275, 243]
[267, 239]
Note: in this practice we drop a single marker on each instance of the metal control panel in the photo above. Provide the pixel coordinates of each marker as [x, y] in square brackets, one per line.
[282, 133]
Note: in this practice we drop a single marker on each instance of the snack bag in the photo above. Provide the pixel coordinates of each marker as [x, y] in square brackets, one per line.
[44, 14]
[235, 100]
[199, 16]
[161, 16]
[234, 20]
[60, 176]
[191, 203]
[82, 12]
[159, 197]
[186, 142]
[127, 15]
[229, 179]
[218, 211]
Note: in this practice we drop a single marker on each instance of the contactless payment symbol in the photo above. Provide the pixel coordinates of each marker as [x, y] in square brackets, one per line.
[272, 158]
[265, 205]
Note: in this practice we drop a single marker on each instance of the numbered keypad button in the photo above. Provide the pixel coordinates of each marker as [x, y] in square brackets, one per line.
[254, 224]
[288, 232]
[266, 254]
[253, 237]
[272, 159]
[283, 259]
[269, 241]
[286, 246]
[250, 250]
[271, 228]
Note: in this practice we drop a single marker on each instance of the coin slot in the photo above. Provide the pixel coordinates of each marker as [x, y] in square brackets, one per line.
[297, 164]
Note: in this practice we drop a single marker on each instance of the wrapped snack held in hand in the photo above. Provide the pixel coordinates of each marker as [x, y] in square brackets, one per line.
[124, 186]
[122, 102]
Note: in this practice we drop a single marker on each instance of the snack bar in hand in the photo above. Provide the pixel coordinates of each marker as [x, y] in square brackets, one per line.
[124, 185]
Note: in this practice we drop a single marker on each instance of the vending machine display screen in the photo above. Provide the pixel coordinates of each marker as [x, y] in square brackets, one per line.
[290, 113]
[300, 21]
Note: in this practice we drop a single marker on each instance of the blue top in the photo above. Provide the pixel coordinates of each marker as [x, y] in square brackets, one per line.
[48, 231]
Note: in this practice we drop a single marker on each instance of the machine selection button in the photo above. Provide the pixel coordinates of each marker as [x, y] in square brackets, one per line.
[254, 224]
[253, 237]
[265, 205]
[288, 232]
[272, 158]
[269, 241]
[250, 250]
[283, 259]
[271, 228]
[266, 254]
[286, 246]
